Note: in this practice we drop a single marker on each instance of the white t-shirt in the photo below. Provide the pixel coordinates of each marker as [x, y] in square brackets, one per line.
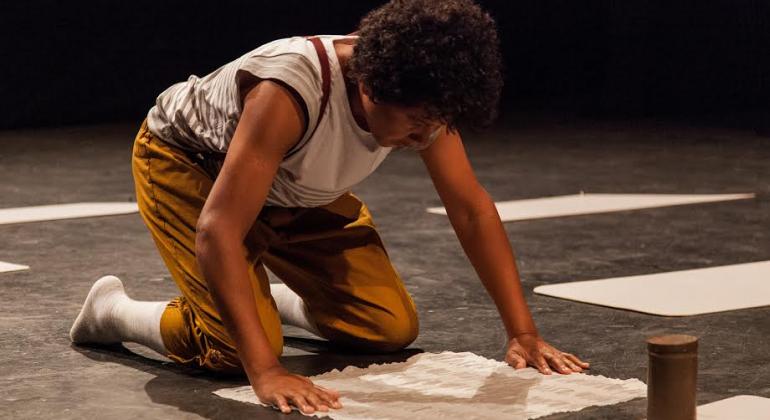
[201, 114]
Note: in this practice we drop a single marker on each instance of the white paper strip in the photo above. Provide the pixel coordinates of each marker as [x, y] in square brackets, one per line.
[676, 293]
[459, 386]
[8, 267]
[573, 205]
[741, 407]
[64, 211]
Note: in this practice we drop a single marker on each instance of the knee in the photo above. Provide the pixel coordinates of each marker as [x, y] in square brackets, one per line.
[376, 329]
[396, 330]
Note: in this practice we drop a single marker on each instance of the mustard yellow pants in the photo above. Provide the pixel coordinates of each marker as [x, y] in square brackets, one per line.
[331, 256]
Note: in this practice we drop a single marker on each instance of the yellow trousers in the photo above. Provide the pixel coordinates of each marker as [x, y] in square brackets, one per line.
[331, 256]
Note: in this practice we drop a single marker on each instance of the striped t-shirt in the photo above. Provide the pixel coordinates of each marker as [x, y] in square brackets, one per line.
[201, 114]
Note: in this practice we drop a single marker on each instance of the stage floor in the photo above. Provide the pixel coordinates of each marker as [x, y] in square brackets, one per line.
[43, 376]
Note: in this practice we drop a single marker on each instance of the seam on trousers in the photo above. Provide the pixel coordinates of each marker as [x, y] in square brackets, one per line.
[152, 187]
[164, 222]
[154, 199]
[203, 342]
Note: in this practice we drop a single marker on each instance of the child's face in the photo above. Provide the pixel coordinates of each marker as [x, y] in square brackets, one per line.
[398, 126]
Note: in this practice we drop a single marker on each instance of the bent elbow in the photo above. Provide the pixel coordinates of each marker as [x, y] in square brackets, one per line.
[213, 240]
[205, 238]
[481, 207]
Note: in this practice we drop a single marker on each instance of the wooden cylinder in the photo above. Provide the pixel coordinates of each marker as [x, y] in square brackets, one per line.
[672, 377]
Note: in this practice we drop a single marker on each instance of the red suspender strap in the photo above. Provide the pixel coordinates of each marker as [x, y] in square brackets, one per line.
[206, 159]
[326, 83]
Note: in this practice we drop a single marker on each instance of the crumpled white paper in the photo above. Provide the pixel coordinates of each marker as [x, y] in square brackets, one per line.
[459, 386]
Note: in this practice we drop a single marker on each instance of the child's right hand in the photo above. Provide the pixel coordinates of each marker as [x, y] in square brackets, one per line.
[278, 387]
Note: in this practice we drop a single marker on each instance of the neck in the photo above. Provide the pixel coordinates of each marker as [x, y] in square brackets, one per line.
[344, 49]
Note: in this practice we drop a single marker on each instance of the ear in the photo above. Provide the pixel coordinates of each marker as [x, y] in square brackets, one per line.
[365, 91]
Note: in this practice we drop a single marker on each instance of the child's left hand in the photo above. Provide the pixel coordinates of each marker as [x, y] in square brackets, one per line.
[530, 349]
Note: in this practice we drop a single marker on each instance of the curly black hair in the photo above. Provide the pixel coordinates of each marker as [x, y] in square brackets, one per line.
[441, 55]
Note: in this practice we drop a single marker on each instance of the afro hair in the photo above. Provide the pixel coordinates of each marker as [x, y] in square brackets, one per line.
[441, 55]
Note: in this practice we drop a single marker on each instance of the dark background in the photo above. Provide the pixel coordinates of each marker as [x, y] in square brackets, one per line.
[99, 61]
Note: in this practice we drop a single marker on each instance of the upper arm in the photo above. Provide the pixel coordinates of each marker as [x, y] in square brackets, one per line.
[270, 124]
[246, 82]
[453, 176]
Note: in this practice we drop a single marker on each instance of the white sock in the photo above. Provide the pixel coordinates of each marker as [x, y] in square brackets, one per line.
[292, 308]
[110, 316]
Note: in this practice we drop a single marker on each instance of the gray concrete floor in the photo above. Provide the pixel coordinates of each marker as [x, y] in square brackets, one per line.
[43, 376]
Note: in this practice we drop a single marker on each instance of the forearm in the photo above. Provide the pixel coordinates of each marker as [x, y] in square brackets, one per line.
[223, 263]
[486, 244]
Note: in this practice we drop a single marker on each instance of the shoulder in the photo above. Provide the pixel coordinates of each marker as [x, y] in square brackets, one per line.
[290, 61]
[271, 114]
[293, 54]
[292, 45]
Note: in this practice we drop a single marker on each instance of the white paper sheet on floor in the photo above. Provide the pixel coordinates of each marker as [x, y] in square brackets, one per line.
[741, 407]
[676, 293]
[64, 211]
[579, 204]
[460, 386]
[8, 267]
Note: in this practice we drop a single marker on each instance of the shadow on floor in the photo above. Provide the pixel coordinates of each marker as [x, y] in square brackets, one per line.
[191, 390]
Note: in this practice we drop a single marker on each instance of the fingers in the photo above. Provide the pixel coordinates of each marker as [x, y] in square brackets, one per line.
[521, 363]
[566, 363]
[516, 361]
[330, 397]
[577, 361]
[332, 393]
[300, 402]
[542, 365]
[557, 363]
[316, 402]
[282, 404]
[316, 398]
[542, 356]
[571, 365]
[284, 390]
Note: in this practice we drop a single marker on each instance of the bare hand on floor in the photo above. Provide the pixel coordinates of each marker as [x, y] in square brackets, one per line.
[282, 389]
[531, 349]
